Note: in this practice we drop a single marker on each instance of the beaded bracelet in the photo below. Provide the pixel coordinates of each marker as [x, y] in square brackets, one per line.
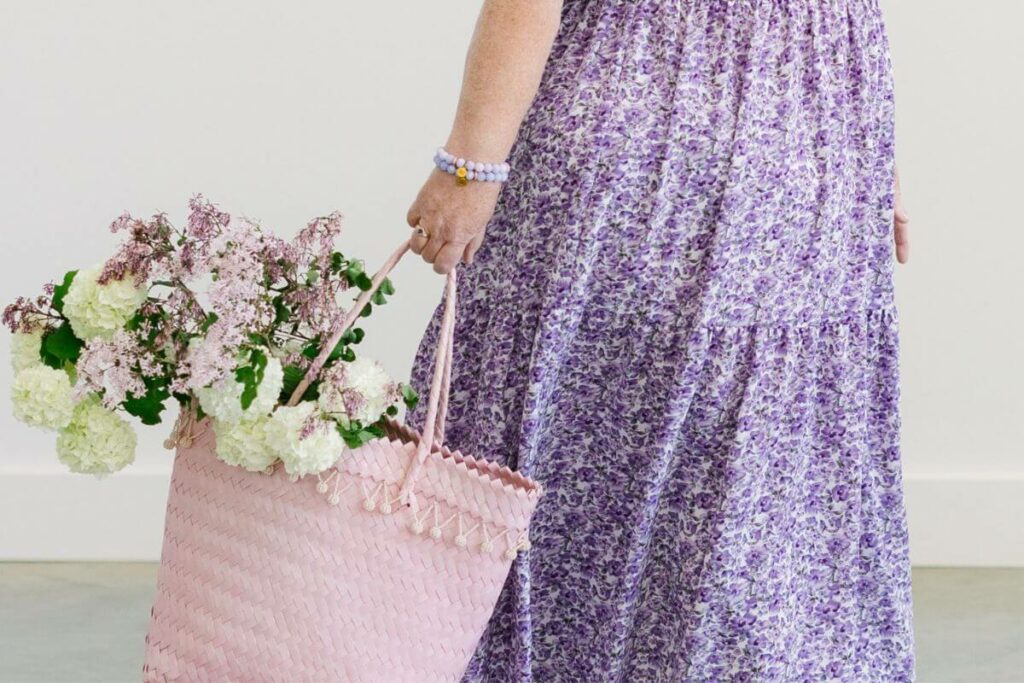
[464, 171]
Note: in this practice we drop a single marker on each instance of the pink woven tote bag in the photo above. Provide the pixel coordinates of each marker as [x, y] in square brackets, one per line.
[384, 569]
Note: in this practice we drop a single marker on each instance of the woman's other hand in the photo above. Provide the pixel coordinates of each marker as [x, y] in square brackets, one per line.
[451, 219]
[900, 221]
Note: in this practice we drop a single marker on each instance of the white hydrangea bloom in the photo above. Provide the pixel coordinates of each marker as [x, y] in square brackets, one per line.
[96, 310]
[223, 400]
[359, 390]
[98, 441]
[25, 350]
[43, 397]
[244, 444]
[306, 443]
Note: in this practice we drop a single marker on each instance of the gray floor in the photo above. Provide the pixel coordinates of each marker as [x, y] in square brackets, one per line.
[77, 623]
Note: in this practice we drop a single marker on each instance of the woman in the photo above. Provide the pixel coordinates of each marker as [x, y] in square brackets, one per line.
[681, 322]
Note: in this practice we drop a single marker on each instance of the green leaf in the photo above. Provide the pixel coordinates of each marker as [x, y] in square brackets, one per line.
[211, 318]
[155, 321]
[353, 335]
[135, 321]
[387, 286]
[60, 345]
[367, 310]
[148, 406]
[337, 261]
[379, 298]
[251, 376]
[341, 352]
[392, 411]
[292, 376]
[281, 311]
[363, 281]
[410, 397]
[61, 290]
[354, 438]
[246, 375]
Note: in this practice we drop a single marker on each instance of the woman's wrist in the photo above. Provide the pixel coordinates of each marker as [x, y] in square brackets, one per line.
[485, 146]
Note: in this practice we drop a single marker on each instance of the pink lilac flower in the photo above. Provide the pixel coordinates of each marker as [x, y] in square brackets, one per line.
[209, 358]
[205, 220]
[145, 252]
[205, 223]
[239, 293]
[30, 315]
[113, 368]
[315, 302]
[315, 243]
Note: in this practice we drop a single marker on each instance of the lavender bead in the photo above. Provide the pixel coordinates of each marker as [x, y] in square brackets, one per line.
[475, 170]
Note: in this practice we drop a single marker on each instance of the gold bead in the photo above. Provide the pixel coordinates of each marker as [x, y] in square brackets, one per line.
[461, 172]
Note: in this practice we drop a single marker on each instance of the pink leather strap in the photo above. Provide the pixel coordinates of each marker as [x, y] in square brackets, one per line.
[440, 384]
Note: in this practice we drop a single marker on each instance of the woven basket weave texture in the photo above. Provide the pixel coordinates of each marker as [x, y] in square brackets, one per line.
[384, 570]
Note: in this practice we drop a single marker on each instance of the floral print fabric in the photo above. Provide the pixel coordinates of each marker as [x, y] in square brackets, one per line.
[681, 323]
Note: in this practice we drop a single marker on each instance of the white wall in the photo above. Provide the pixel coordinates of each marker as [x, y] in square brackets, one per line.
[287, 110]
[960, 101]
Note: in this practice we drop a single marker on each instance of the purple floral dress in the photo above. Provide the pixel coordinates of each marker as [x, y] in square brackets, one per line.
[682, 323]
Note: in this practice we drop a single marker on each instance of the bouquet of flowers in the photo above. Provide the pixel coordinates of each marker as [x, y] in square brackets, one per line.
[223, 318]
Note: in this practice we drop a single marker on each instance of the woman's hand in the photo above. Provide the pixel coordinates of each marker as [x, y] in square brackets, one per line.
[900, 230]
[451, 218]
[506, 59]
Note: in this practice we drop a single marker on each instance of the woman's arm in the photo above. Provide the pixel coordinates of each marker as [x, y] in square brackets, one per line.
[506, 59]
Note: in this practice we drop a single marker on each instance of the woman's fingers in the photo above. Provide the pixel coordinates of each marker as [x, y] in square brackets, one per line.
[424, 230]
[900, 219]
[901, 233]
[470, 251]
[429, 241]
[418, 242]
[902, 236]
[448, 257]
[434, 245]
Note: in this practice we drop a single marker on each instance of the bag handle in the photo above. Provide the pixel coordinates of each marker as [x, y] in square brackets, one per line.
[437, 408]
[437, 405]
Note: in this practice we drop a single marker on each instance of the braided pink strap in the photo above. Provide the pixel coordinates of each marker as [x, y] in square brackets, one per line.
[446, 383]
[437, 407]
[437, 402]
